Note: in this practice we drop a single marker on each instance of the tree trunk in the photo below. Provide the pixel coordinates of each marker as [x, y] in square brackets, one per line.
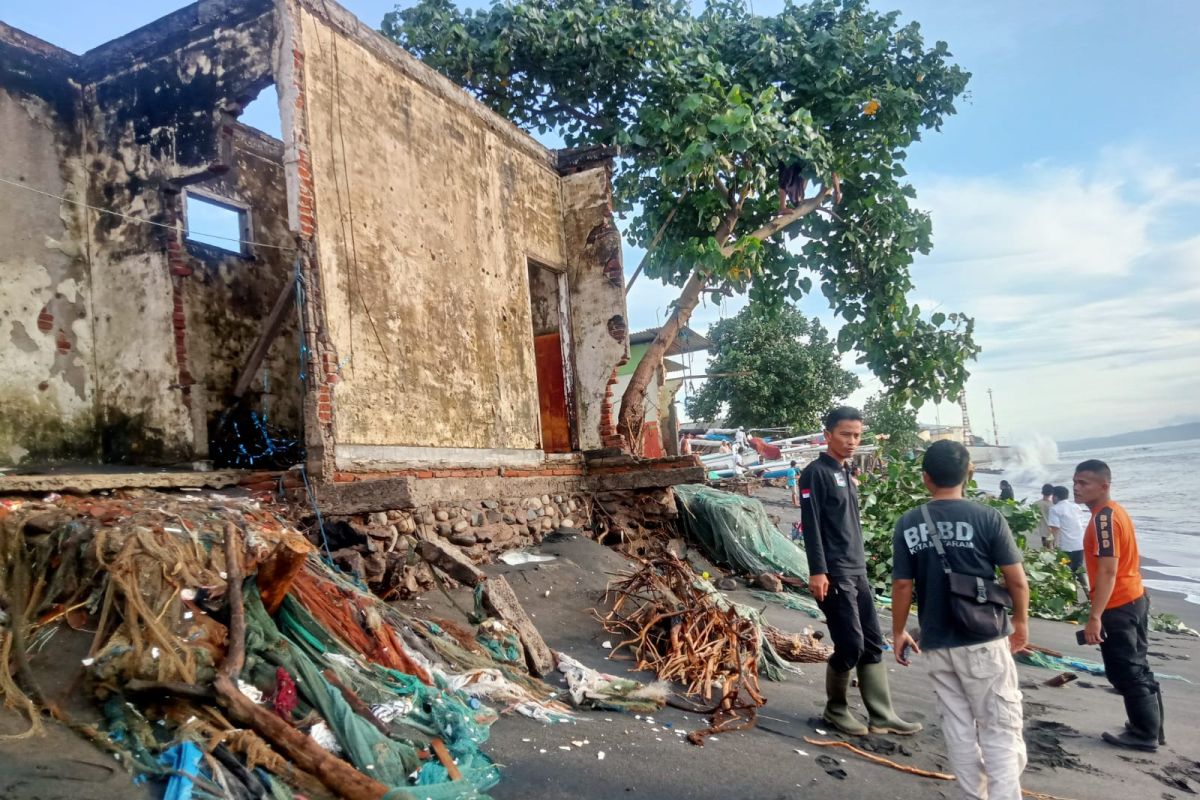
[633, 402]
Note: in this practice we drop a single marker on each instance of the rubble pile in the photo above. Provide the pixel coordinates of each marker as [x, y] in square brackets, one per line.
[223, 648]
[639, 524]
[382, 548]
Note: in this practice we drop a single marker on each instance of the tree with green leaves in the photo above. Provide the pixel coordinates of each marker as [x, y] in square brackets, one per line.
[771, 367]
[707, 109]
[886, 415]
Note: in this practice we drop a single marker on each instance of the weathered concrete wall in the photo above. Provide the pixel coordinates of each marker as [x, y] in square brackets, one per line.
[428, 209]
[418, 324]
[597, 293]
[46, 389]
[120, 341]
[160, 102]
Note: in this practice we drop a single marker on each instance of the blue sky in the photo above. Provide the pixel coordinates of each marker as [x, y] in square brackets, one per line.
[1065, 197]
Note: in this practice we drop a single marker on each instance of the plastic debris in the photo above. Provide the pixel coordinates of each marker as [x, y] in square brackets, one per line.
[589, 687]
[515, 558]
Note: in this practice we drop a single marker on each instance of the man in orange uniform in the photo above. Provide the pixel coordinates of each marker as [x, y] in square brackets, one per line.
[1120, 616]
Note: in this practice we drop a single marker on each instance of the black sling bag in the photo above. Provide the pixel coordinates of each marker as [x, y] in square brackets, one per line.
[978, 606]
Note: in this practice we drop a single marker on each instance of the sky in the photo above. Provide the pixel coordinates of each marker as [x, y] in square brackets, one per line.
[1065, 197]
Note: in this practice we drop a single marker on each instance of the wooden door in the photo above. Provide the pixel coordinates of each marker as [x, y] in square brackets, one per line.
[552, 393]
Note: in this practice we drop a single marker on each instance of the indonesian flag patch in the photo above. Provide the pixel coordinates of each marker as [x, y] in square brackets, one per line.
[806, 494]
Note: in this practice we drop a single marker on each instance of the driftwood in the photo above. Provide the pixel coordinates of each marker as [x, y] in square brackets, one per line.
[499, 596]
[922, 773]
[675, 629]
[1045, 650]
[339, 777]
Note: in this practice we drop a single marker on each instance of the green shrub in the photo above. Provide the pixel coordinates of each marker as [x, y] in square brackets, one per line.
[886, 494]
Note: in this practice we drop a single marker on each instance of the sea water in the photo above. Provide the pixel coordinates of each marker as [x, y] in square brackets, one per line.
[1158, 485]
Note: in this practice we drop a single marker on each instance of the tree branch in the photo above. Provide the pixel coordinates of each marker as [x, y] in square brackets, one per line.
[658, 236]
[582, 116]
[783, 220]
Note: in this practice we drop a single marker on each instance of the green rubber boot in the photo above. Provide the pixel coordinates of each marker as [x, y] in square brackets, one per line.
[837, 707]
[877, 697]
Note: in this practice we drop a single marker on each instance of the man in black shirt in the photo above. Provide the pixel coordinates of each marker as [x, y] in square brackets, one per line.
[838, 579]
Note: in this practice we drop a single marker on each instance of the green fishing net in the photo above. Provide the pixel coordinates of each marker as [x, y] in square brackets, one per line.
[736, 531]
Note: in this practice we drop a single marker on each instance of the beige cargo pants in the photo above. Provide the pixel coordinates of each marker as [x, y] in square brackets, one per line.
[980, 704]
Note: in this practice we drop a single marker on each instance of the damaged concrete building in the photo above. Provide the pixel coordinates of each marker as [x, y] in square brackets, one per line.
[418, 294]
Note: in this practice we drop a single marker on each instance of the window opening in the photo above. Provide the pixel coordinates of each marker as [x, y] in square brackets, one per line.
[216, 224]
[262, 113]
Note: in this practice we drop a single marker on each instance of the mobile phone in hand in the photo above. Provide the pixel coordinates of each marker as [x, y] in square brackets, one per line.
[1080, 637]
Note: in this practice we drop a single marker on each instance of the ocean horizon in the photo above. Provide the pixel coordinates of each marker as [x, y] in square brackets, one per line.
[1156, 483]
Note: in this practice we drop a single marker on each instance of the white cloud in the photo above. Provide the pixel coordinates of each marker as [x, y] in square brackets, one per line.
[1084, 283]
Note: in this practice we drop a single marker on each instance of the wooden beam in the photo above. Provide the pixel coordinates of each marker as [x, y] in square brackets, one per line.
[500, 597]
[270, 330]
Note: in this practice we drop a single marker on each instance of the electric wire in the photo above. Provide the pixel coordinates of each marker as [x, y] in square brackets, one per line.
[139, 220]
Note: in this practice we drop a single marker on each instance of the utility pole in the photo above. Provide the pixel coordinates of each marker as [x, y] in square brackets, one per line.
[995, 434]
[962, 402]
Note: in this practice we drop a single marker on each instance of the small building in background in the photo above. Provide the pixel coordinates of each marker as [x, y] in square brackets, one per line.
[660, 433]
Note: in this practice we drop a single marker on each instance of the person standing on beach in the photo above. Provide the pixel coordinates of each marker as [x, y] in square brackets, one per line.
[975, 682]
[793, 487]
[837, 564]
[1044, 537]
[1066, 527]
[1120, 616]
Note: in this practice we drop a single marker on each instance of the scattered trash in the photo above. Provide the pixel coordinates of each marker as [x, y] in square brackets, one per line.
[589, 687]
[1062, 679]
[324, 736]
[246, 586]
[600, 755]
[515, 558]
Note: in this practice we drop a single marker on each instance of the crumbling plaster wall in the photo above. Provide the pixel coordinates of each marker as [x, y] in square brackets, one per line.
[597, 294]
[119, 340]
[160, 102]
[46, 389]
[428, 210]
[228, 295]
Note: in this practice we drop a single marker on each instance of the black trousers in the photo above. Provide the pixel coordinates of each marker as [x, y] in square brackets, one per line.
[849, 608]
[1124, 648]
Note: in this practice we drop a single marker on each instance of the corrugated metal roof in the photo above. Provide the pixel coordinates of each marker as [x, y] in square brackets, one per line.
[688, 341]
